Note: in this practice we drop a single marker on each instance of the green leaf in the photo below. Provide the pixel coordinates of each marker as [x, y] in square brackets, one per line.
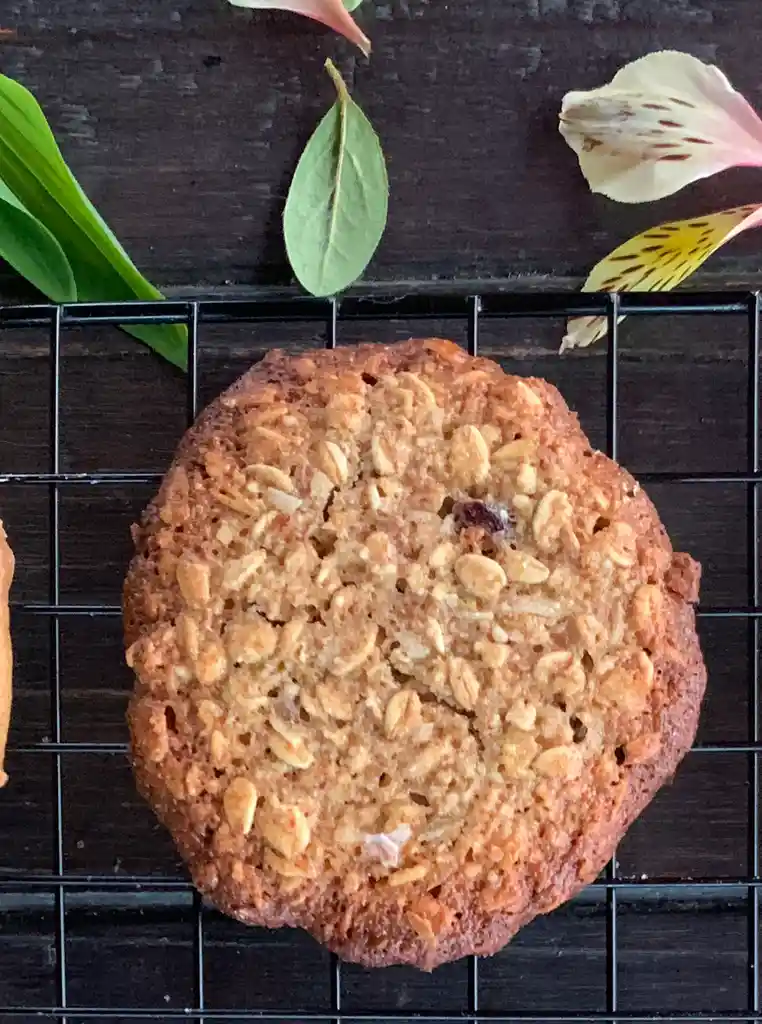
[351, 5]
[336, 208]
[34, 170]
[32, 251]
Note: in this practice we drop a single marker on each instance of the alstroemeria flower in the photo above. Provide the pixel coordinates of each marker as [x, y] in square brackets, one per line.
[663, 121]
[657, 260]
[332, 13]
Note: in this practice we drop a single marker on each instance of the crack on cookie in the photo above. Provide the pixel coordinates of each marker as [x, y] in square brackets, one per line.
[427, 696]
[272, 621]
[420, 799]
[474, 731]
[329, 505]
[445, 509]
[324, 542]
[579, 729]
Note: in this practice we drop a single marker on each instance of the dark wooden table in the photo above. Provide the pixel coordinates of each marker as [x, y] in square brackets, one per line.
[183, 121]
[184, 118]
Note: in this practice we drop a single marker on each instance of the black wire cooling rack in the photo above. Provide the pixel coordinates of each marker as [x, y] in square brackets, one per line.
[472, 311]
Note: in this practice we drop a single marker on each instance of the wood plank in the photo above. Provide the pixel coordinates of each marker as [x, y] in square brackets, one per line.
[184, 119]
[675, 959]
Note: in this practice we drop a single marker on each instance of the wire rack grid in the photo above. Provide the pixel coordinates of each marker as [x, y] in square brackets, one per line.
[472, 311]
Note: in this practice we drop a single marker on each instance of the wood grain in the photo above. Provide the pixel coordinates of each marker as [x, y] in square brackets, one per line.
[183, 120]
[669, 960]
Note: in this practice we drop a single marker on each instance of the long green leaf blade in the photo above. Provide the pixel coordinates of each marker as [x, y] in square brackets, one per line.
[32, 166]
[337, 205]
[36, 145]
[32, 251]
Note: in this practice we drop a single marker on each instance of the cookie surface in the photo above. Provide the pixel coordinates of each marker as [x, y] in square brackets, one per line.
[410, 656]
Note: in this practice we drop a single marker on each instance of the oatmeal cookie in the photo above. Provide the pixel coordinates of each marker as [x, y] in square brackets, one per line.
[410, 655]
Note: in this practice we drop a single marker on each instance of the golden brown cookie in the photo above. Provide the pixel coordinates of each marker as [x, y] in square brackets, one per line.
[6, 651]
[410, 656]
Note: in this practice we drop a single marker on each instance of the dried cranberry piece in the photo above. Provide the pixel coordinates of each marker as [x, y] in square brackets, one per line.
[487, 516]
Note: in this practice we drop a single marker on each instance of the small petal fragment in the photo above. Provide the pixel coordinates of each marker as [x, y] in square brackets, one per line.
[663, 121]
[658, 260]
[332, 13]
[387, 847]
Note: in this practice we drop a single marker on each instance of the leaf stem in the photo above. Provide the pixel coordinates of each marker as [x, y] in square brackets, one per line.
[338, 81]
[344, 100]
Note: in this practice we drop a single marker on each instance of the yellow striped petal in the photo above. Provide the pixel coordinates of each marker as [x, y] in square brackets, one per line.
[658, 260]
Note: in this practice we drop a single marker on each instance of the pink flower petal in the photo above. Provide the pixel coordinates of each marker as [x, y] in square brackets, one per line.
[663, 121]
[329, 12]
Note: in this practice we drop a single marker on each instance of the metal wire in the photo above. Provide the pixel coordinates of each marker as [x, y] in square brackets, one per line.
[54, 590]
[612, 448]
[753, 595]
[471, 310]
